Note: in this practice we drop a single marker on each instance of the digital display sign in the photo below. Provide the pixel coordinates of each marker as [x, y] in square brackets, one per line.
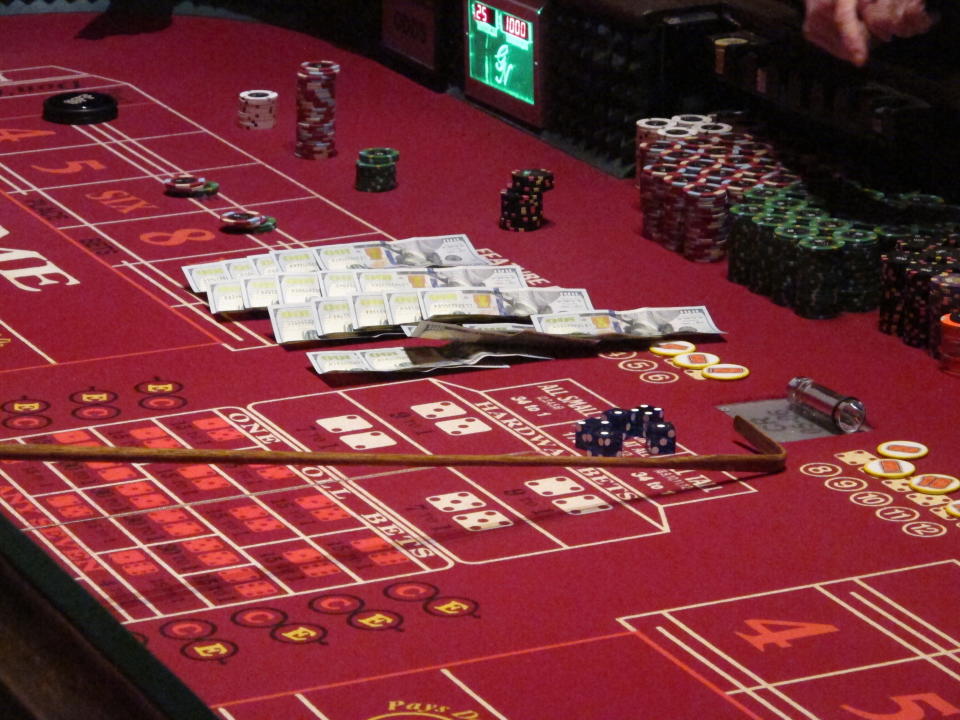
[502, 55]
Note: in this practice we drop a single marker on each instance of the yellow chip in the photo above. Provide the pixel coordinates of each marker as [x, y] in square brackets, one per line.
[725, 371]
[935, 483]
[902, 449]
[696, 360]
[953, 508]
[889, 468]
[670, 348]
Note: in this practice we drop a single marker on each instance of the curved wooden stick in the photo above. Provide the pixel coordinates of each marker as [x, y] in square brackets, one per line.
[772, 457]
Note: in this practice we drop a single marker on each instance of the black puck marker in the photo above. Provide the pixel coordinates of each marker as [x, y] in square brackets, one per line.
[83, 107]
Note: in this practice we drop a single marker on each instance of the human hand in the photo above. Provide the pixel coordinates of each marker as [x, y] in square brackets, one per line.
[836, 26]
[886, 19]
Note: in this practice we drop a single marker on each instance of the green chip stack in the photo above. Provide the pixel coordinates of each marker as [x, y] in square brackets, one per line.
[377, 170]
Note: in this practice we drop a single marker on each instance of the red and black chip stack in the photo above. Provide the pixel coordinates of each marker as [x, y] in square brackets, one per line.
[316, 109]
[949, 348]
[920, 282]
[521, 204]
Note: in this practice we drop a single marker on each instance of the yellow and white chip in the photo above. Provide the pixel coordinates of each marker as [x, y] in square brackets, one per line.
[725, 371]
[696, 360]
[953, 509]
[671, 348]
[935, 483]
[889, 468]
[902, 449]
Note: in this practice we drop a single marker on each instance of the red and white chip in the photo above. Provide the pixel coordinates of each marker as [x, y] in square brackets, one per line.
[696, 360]
[902, 449]
[889, 468]
[725, 371]
[935, 484]
[671, 348]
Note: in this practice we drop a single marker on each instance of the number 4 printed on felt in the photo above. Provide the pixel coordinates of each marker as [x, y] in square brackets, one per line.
[910, 708]
[781, 632]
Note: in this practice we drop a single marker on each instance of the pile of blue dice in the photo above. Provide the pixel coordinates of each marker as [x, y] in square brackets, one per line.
[604, 436]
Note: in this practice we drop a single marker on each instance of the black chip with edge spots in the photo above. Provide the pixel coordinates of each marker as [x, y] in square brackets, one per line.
[82, 107]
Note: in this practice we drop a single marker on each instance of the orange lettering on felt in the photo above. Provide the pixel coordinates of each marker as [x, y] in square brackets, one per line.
[14, 135]
[72, 166]
[910, 707]
[781, 632]
[178, 237]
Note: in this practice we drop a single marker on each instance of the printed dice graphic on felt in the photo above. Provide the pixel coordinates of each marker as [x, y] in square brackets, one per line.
[483, 520]
[455, 502]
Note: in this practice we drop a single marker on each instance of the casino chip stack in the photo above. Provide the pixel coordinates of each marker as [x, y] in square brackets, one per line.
[377, 169]
[316, 107]
[187, 185]
[242, 222]
[258, 109]
[521, 204]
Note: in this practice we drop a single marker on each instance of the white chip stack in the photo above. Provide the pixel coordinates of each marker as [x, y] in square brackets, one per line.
[258, 109]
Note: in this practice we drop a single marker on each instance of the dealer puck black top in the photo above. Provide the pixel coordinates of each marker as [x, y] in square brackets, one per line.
[82, 107]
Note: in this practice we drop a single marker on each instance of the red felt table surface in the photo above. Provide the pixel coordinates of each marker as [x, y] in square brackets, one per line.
[351, 593]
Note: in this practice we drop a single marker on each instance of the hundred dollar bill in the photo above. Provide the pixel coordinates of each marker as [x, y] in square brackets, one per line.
[403, 307]
[500, 335]
[460, 301]
[299, 287]
[261, 292]
[334, 317]
[370, 311]
[339, 282]
[467, 331]
[202, 274]
[301, 260]
[400, 359]
[638, 323]
[293, 323]
[242, 268]
[395, 279]
[265, 263]
[337, 361]
[437, 250]
[355, 256]
[669, 320]
[225, 296]
[524, 302]
[594, 322]
[498, 276]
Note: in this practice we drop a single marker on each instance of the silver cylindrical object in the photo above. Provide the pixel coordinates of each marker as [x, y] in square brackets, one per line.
[824, 406]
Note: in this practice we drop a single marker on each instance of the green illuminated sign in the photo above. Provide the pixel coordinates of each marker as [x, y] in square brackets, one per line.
[501, 50]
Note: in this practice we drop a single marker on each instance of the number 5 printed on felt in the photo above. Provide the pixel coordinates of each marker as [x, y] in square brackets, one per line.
[73, 166]
[910, 707]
